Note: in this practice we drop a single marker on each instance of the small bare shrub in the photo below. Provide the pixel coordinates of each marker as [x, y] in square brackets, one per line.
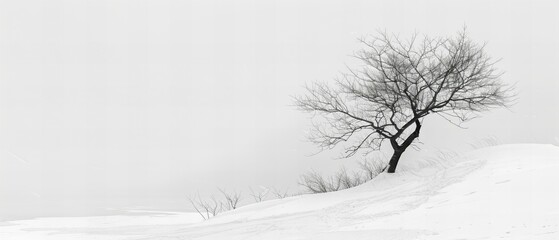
[259, 195]
[206, 208]
[348, 181]
[316, 183]
[372, 168]
[231, 198]
[280, 193]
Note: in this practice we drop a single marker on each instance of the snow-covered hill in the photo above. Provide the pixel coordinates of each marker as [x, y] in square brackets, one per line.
[502, 192]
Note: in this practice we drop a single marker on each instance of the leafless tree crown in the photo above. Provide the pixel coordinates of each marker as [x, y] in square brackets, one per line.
[399, 83]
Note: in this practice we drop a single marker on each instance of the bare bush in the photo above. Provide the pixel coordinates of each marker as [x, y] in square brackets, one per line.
[349, 180]
[206, 208]
[259, 195]
[232, 198]
[280, 193]
[316, 183]
[372, 168]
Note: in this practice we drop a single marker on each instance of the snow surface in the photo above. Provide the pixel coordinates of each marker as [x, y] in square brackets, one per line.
[117, 227]
[502, 192]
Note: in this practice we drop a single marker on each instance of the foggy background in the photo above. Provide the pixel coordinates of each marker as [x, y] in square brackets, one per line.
[135, 104]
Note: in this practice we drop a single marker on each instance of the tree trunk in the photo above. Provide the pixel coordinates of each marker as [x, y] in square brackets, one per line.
[399, 149]
[394, 160]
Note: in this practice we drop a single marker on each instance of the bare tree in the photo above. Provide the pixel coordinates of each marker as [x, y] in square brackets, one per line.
[398, 85]
[232, 198]
[206, 208]
[259, 195]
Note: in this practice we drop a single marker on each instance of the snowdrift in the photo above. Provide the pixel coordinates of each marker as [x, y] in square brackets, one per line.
[502, 192]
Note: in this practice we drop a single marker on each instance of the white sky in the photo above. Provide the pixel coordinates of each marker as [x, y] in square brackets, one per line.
[129, 103]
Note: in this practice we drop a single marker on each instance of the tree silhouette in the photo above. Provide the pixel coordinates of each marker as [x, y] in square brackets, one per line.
[397, 86]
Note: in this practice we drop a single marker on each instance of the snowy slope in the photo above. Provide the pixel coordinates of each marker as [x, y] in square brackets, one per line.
[503, 192]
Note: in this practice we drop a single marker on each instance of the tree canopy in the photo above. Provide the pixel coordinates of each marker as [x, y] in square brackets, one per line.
[399, 83]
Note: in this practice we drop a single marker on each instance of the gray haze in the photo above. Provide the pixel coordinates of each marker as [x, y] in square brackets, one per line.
[134, 104]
